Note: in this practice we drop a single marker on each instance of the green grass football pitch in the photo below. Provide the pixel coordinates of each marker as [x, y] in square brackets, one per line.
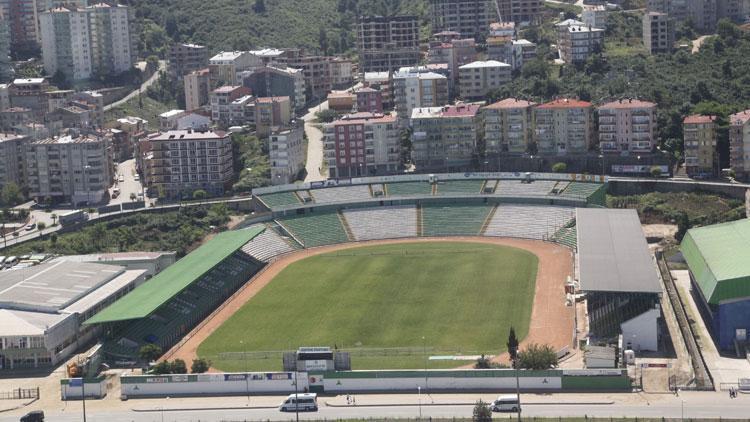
[389, 305]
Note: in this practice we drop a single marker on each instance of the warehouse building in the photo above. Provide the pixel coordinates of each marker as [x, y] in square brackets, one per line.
[718, 258]
[42, 309]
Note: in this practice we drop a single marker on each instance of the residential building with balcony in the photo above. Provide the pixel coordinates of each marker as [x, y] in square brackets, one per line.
[477, 79]
[699, 137]
[71, 168]
[179, 162]
[186, 58]
[445, 138]
[523, 51]
[221, 100]
[168, 119]
[455, 54]
[468, 17]
[12, 158]
[508, 126]
[342, 102]
[658, 33]
[594, 15]
[272, 81]
[564, 126]
[382, 82]
[30, 93]
[286, 153]
[414, 88]
[225, 67]
[503, 29]
[369, 100]
[385, 44]
[739, 143]
[578, 42]
[521, 11]
[500, 48]
[196, 85]
[627, 127]
[362, 144]
[270, 112]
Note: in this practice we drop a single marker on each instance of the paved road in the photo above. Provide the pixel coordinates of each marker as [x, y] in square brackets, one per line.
[147, 83]
[688, 405]
[314, 144]
[129, 185]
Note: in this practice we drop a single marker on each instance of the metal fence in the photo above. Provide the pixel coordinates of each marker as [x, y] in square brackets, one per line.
[355, 351]
[20, 393]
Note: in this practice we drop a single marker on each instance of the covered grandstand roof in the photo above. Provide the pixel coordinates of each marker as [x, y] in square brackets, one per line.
[154, 293]
[719, 259]
[613, 255]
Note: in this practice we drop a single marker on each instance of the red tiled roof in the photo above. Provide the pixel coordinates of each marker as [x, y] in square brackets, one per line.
[566, 103]
[740, 118]
[460, 110]
[698, 118]
[627, 103]
[511, 103]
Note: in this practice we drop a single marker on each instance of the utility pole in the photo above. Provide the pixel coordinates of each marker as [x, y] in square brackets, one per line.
[296, 397]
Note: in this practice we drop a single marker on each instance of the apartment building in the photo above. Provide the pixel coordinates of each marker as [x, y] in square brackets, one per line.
[132, 129]
[272, 81]
[479, 78]
[286, 153]
[13, 117]
[594, 15]
[523, 51]
[703, 15]
[382, 82]
[502, 29]
[468, 17]
[739, 143]
[186, 58]
[225, 67]
[221, 100]
[500, 48]
[414, 88]
[564, 126]
[658, 33]
[82, 42]
[520, 11]
[699, 137]
[168, 119]
[12, 157]
[342, 102]
[369, 100]
[30, 93]
[362, 144]
[270, 112]
[627, 127]
[578, 42]
[385, 44]
[6, 66]
[342, 72]
[455, 54]
[197, 86]
[179, 162]
[71, 168]
[317, 72]
[508, 126]
[445, 138]
[241, 111]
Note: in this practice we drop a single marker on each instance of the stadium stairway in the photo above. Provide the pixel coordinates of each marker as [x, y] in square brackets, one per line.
[345, 225]
[434, 189]
[490, 186]
[420, 220]
[488, 219]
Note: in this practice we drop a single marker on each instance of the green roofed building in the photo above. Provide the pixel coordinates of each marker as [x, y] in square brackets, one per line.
[718, 257]
[166, 307]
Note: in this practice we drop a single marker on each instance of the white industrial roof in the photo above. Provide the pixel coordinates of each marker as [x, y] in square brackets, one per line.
[21, 323]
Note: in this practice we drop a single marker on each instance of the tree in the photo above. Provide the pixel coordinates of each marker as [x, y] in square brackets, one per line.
[200, 366]
[53, 239]
[259, 6]
[41, 226]
[512, 346]
[683, 225]
[482, 412]
[200, 195]
[483, 362]
[656, 171]
[152, 63]
[538, 357]
[133, 196]
[53, 216]
[323, 40]
[178, 366]
[559, 167]
[11, 195]
[162, 368]
[325, 116]
[149, 352]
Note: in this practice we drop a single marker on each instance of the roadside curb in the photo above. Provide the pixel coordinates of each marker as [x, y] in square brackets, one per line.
[601, 403]
[20, 406]
[190, 409]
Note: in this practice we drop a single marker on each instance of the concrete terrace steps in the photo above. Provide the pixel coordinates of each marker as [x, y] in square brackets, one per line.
[488, 219]
[345, 225]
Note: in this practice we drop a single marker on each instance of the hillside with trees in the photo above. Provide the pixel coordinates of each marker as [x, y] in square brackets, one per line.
[328, 25]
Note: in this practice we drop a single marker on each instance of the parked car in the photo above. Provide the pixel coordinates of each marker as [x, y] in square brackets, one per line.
[35, 416]
[505, 404]
[30, 227]
[301, 402]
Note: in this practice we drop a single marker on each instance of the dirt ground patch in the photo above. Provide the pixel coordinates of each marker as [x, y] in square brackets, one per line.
[552, 322]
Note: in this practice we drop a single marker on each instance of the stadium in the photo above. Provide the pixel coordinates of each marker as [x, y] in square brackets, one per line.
[375, 266]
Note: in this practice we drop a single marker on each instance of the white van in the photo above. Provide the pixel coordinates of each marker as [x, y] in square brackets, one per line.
[301, 402]
[505, 404]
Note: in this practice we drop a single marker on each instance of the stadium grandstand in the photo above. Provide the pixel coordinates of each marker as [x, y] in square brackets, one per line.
[163, 309]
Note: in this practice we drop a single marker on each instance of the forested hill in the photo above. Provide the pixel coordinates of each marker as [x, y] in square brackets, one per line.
[247, 24]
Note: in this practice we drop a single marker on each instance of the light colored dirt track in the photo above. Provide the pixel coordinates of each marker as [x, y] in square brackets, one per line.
[551, 321]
